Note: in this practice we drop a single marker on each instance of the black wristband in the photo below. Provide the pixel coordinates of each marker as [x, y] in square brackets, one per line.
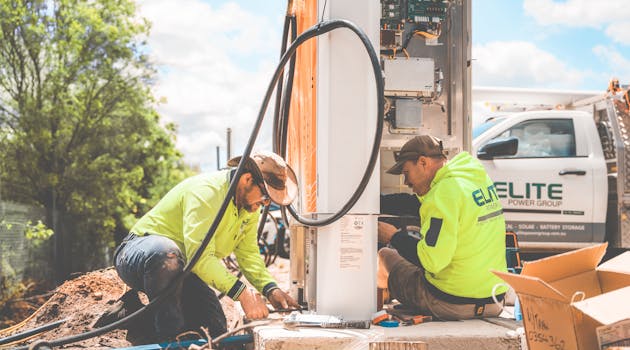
[236, 290]
[268, 288]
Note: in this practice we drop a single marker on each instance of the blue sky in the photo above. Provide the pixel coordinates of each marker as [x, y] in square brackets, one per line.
[216, 57]
[571, 44]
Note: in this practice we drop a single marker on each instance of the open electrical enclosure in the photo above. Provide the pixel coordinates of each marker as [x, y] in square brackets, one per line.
[425, 50]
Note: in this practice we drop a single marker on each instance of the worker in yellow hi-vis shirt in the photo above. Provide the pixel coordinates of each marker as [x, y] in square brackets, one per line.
[446, 273]
[164, 239]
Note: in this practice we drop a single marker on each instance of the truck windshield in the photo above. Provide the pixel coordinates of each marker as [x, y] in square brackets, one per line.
[481, 128]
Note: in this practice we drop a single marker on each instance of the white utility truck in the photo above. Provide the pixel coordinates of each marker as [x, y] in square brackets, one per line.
[561, 174]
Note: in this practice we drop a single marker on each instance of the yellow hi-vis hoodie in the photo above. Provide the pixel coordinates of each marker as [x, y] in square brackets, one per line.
[464, 231]
[185, 214]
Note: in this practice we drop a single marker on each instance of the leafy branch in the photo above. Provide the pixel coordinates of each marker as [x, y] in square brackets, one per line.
[36, 233]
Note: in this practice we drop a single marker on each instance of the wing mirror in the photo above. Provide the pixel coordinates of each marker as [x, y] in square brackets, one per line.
[497, 148]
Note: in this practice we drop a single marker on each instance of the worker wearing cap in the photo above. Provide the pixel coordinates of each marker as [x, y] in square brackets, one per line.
[447, 273]
[164, 239]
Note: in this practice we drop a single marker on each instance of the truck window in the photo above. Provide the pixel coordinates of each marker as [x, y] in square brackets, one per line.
[543, 138]
[481, 128]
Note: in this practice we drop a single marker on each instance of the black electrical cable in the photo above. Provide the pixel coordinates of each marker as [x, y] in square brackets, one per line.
[270, 255]
[31, 332]
[289, 23]
[283, 49]
[286, 98]
[280, 121]
[282, 107]
[316, 30]
[262, 221]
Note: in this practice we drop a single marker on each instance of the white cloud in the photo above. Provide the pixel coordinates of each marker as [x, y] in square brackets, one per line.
[613, 15]
[619, 32]
[215, 63]
[521, 64]
[616, 65]
[578, 13]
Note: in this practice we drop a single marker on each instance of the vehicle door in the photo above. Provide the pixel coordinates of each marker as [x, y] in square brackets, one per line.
[546, 188]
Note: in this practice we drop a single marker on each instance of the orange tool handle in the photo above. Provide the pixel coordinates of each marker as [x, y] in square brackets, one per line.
[418, 319]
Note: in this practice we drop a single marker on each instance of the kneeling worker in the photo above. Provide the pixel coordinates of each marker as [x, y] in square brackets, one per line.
[447, 273]
[165, 238]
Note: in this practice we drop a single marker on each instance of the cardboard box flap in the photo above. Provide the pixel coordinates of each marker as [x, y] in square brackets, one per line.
[609, 280]
[531, 286]
[586, 282]
[567, 264]
[607, 308]
[620, 263]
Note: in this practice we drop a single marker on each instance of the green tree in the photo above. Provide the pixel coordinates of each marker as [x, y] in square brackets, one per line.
[78, 128]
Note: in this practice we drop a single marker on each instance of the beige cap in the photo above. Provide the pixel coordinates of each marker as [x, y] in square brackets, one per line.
[278, 177]
[423, 145]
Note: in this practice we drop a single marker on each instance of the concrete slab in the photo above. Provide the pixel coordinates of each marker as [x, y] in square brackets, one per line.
[464, 335]
[277, 338]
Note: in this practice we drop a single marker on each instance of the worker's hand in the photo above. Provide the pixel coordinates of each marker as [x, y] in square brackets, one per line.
[385, 232]
[281, 300]
[253, 304]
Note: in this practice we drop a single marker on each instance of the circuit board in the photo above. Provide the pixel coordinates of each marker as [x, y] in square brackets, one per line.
[392, 14]
[426, 11]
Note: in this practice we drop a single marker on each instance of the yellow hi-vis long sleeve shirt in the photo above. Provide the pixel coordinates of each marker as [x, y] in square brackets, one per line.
[185, 214]
[464, 231]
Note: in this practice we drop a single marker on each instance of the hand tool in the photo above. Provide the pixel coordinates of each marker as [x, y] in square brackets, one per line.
[322, 321]
[417, 320]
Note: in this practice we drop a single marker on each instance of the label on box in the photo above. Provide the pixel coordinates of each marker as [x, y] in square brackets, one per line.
[613, 335]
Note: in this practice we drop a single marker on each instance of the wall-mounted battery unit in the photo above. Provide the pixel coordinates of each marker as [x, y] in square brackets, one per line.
[409, 77]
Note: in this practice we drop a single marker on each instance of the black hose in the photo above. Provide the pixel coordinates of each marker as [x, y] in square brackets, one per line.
[270, 256]
[286, 99]
[30, 332]
[316, 30]
[262, 222]
[289, 23]
[277, 111]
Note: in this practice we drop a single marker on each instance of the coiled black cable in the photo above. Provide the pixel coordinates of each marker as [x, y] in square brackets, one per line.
[316, 30]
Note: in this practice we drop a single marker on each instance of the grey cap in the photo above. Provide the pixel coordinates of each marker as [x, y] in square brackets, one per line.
[423, 145]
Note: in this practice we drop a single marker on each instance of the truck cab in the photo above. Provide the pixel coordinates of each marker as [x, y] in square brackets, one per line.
[554, 188]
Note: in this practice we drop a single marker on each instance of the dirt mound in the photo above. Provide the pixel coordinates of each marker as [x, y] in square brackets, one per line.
[82, 300]
[35, 294]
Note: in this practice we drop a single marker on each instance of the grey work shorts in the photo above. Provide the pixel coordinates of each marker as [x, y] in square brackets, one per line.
[406, 284]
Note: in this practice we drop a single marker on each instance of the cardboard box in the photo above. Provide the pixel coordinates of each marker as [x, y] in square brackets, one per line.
[564, 298]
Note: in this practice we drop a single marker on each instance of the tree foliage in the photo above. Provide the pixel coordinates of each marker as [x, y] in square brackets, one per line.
[78, 127]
